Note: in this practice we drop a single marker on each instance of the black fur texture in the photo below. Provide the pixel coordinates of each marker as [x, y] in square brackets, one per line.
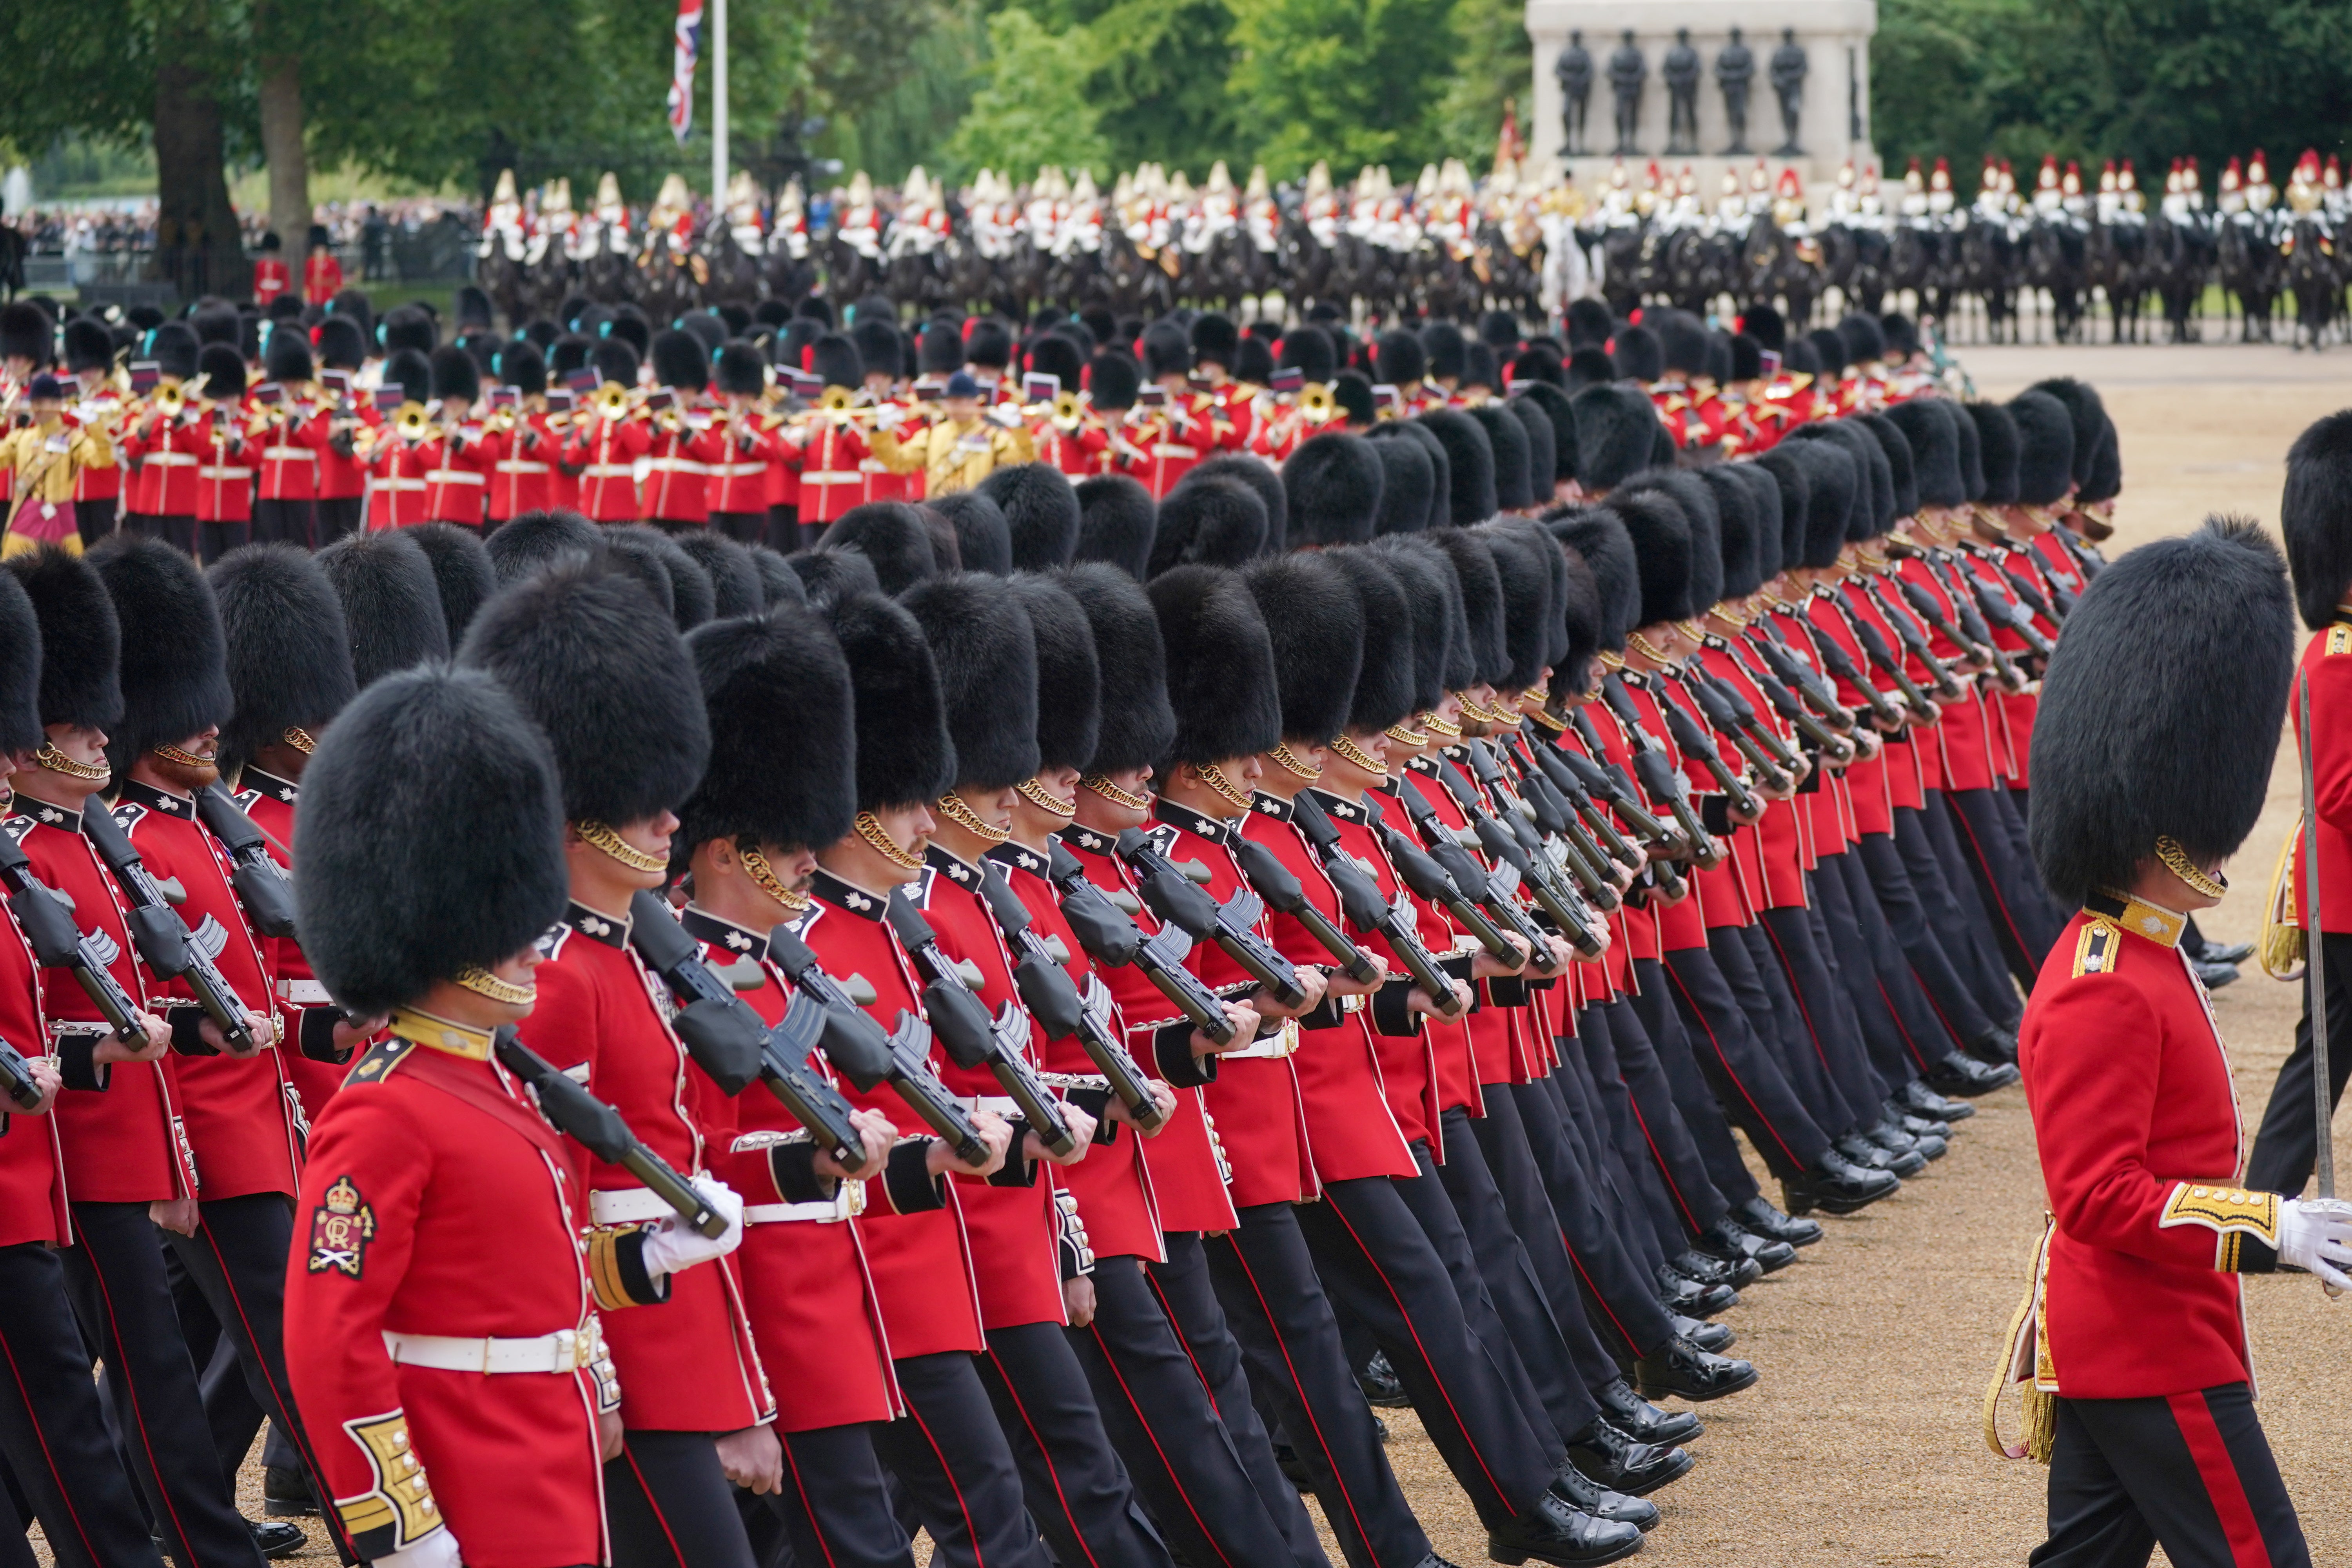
[828, 576]
[1507, 438]
[1927, 424]
[783, 734]
[2045, 447]
[1433, 598]
[1616, 430]
[20, 668]
[735, 585]
[81, 640]
[1833, 488]
[2160, 711]
[1137, 725]
[1117, 518]
[1521, 565]
[1069, 677]
[290, 653]
[1386, 683]
[1996, 447]
[1333, 482]
[1040, 510]
[904, 753]
[1791, 476]
[1482, 605]
[779, 584]
[392, 605]
[1737, 531]
[1663, 548]
[1262, 481]
[524, 544]
[1897, 449]
[1543, 457]
[1470, 465]
[1598, 535]
[1408, 485]
[983, 539]
[1764, 496]
[431, 829]
[1561, 411]
[602, 671]
[461, 572]
[1315, 624]
[2315, 515]
[986, 654]
[891, 535]
[1214, 522]
[1221, 683]
[2088, 415]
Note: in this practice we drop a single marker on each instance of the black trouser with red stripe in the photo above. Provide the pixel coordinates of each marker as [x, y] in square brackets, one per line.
[1159, 1410]
[1648, 1029]
[114, 1276]
[1274, 1298]
[667, 1504]
[1953, 907]
[1867, 958]
[1906, 920]
[52, 1434]
[1992, 835]
[2189, 1471]
[1619, 1289]
[236, 1261]
[1833, 1027]
[1772, 1015]
[952, 1459]
[835, 1511]
[1078, 1492]
[1592, 1084]
[1747, 1079]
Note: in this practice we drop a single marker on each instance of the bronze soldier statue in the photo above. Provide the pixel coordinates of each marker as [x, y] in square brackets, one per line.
[1788, 70]
[1627, 70]
[1574, 69]
[1735, 71]
[1681, 73]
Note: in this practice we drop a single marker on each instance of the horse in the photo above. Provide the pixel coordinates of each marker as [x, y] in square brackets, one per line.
[2249, 267]
[2311, 275]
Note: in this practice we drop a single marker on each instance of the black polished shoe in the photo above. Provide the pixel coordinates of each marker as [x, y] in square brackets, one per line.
[1903, 1141]
[1583, 1493]
[1552, 1532]
[1642, 1421]
[1837, 1185]
[1716, 1337]
[1997, 1048]
[2216, 975]
[274, 1538]
[1434, 1561]
[1921, 1100]
[1378, 1381]
[1859, 1149]
[1286, 1459]
[1962, 1074]
[1707, 1270]
[286, 1493]
[2237, 953]
[1688, 1298]
[1688, 1373]
[1758, 1215]
[1729, 1240]
[1606, 1456]
[1914, 1122]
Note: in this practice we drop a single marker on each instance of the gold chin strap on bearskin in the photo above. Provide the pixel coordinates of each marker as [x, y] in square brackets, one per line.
[603, 837]
[185, 759]
[871, 830]
[2176, 861]
[300, 739]
[56, 762]
[1128, 799]
[482, 983]
[1214, 777]
[1290, 761]
[1045, 800]
[764, 876]
[1355, 756]
[953, 808]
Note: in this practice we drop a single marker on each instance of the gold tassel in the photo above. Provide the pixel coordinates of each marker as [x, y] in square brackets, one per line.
[2037, 1410]
[2040, 1411]
[2283, 945]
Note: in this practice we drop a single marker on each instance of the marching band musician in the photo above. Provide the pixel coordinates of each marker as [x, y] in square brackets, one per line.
[824, 448]
[224, 472]
[964, 443]
[100, 408]
[609, 433]
[685, 442]
[293, 432]
[161, 446]
[519, 441]
[739, 475]
[44, 460]
[398, 466]
[458, 466]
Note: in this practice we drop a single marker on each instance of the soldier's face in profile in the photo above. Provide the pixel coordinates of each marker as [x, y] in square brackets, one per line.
[184, 774]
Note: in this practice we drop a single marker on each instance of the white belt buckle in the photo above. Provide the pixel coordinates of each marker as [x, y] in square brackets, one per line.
[627, 1205]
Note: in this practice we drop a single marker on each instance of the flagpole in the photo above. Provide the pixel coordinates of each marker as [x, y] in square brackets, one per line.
[718, 111]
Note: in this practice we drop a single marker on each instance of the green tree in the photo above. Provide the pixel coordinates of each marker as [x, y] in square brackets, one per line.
[1494, 65]
[1160, 83]
[1034, 110]
[1355, 81]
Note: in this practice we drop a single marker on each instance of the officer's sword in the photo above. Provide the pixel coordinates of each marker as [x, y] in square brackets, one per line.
[2314, 958]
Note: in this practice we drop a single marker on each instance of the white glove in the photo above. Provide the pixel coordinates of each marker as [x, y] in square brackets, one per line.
[437, 1550]
[889, 416]
[670, 1247]
[2315, 1236]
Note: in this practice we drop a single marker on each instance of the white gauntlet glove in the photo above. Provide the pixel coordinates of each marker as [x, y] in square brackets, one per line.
[889, 416]
[669, 1248]
[437, 1550]
[2315, 1236]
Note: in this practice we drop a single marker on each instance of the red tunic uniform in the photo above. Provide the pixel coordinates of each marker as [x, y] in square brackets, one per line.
[32, 1175]
[271, 277]
[290, 447]
[522, 467]
[677, 476]
[2328, 671]
[398, 478]
[165, 455]
[438, 1205]
[824, 459]
[225, 468]
[457, 477]
[605, 453]
[688, 1366]
[302, 1002]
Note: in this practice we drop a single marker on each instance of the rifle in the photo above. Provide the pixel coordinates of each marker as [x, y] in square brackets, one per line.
[1938, 673]
[1556, 819]
[1581, 781]
[261, 887]
[2046, 607]
[2012, 615]
[784, 1052]
[1272, 881]
[1735, 716]
[1368, 910]
[1447, 874]
[1110, 938]
[1799, 676]
[1660, 777]
[1608, 782]
[16, 1082]
[596, 1126]
[163, 938]
[1973, 624]
[1835, 660]
[1052, 999]
[57, 943]
[1530, 867]
[1230, 925]
[859, 1049]
[719, 1030]
[1875, 648]
[1694, 741]
[971, 1037]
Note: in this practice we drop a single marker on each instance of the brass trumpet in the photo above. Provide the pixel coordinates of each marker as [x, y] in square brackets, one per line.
[1068, 412]
[611, 400]
[1316, 404]
[170, 401]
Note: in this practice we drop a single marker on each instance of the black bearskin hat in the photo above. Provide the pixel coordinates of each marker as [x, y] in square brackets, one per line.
[522, 364]
[25, 333]
[1663, 547]
[1069, 677]
[779, 584]
[1927, 422]
[1041, 511]
[81, 640]
[657, 565]
[592, 658]
[1434, 599]
[1260, 478]
[834, 361]
[1829, 349]
[613, 359]
[1117, 519]
[1833, 493]
[1398, 358]
[1440, 466]
[976, 531]
[2160, 710]
[1616, 428]
[1637, 355]
[1896, 448]
[1137, 725]
[1863, 520]
[1598, 535]
[1523, 568]
[1747, 357]
[2104, 478]
[290, 654]
[891, 535]
[175, 666]
[765, 677]
[452, 373]
[392, 605]
[286, 362]
[734, 580]
[1479, 368]
[1333, 483]
[939, 350]
[1543, 451]
[1470, 463]
[1352, 396]
[828, 576]
[1560, 412]
[20, 668]
[1214, 340]
[1482, 605]
[221, 370]
[1315, 624]
[1700, 512]
[1050, 353]
[741, 369]
[1166, 351]
[1864, 341]
[1739, 533]
[1581, 621]
[986, 654]
[1112, 383]
[1682, 341]
[537, 539]
[2088, 413]
[432, 837]
[1589, 324]
[1308, 349]
[461, 572]
[1792, 476]
[1445, 349]
[173, 348]
[1218, 522]
[1589, 368]
[1507, 438]
[1996, 446]
[904, 753]
[2045, 447]
[988, 345]
[1388, 680]
[2315, 515]
[880, 348]
[1408, 486]
[1771, 527]
[1220, 663]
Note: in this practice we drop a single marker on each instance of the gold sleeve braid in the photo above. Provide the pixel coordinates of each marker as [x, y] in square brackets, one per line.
[2231, 1213]
[399, 1508]
[613, 1268]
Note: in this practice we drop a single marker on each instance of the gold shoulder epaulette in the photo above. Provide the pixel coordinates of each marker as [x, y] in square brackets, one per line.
[2339, 638]
[381, 1061]
[2095, 948]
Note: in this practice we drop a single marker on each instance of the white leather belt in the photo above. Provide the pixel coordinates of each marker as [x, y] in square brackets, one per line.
[829, 477]
[291, 454]
[566, 1350]
[171, 459]
[846, 1203]
[208, 472]
[303, 992]
[1168, 449]
[609, 471]
[510, 467]
[454, 476]
[400, 484]
[627, 1206]
[736, 470]
[676, 466]
[1273, 1048]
